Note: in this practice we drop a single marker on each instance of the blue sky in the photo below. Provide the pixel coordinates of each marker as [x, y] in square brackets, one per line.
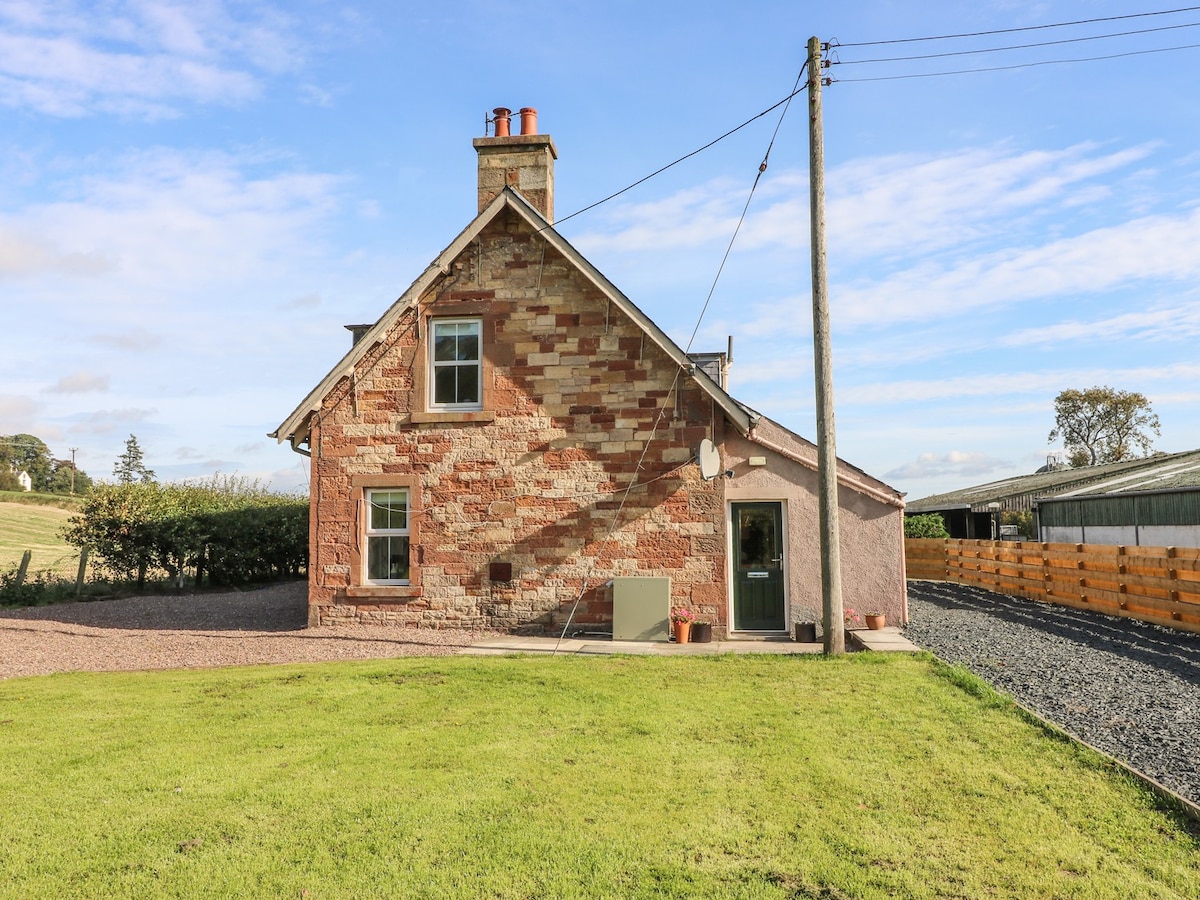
[195, 197]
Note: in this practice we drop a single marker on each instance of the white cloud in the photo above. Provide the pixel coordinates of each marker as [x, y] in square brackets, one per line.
[80, 383]
[890, 205]
[109, 420]
[1044, 382]
[133, 340]
[16, 414]
[909, 204]
[137, 57]
[169, 221]
[21, 256]
[1164, 323]
[690, 218]
[955, 463]
[1163, 247]
[304, 301]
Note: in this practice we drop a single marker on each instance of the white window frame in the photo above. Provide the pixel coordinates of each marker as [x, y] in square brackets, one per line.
[435, 364]
[392, 532]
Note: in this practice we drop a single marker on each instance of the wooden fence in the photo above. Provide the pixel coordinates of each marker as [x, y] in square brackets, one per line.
[1153, 584]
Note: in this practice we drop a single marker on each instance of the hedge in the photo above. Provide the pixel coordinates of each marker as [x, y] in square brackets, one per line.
[230, 530]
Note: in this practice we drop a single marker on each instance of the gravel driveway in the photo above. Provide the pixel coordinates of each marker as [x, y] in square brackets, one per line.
[197, 631]
[1129, 688]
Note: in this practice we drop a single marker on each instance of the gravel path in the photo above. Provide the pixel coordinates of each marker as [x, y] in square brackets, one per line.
[1126, 687]
[197, 631]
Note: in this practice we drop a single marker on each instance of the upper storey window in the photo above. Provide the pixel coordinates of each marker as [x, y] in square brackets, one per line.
[456, 364]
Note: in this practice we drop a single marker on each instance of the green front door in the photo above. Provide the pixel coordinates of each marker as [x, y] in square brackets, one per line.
[758, 603]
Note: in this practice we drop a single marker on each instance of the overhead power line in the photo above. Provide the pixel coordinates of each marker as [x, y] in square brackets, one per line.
[969, 34]
[1077, 40]
[713, 142]
[1044, 62]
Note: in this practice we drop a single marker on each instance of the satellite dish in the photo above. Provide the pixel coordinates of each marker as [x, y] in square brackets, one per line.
[708, 458]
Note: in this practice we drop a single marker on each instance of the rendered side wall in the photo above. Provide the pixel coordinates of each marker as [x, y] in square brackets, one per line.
[871, 532]
[573, 392]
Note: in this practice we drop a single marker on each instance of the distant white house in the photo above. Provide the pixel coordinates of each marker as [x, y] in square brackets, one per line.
[24, 480]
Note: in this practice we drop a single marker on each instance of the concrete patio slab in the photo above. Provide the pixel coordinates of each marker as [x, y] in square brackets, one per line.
[886, 640]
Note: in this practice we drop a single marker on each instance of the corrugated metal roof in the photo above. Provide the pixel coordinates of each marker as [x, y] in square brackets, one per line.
[1166, 471]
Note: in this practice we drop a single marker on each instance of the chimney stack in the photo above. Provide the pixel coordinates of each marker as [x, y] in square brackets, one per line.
[523, 162]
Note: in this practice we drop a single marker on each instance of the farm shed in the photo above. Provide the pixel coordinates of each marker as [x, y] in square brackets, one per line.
[1152, 501]
[1156, 506]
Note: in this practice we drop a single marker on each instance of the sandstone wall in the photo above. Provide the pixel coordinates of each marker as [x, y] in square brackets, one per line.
[578, 405]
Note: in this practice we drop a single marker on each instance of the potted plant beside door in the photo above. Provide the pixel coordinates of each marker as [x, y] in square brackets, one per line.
[681, 622]
[853, 621]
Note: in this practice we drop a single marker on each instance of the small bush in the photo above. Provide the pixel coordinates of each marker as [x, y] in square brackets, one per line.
[37, 588]
[929, 525]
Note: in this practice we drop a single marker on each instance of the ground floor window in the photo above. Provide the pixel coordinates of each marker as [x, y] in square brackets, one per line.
[387, 536]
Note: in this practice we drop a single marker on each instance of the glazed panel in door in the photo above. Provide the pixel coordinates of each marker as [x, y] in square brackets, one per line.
[758, 601]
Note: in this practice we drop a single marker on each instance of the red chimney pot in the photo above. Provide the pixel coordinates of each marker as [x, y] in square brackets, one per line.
[501, 120]
[528, 120]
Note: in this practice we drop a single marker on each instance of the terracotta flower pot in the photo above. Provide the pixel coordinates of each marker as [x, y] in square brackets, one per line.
[682, 632]
[876, 622]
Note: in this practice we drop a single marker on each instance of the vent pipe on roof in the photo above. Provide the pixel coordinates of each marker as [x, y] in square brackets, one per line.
[528, 120]
[500, 121]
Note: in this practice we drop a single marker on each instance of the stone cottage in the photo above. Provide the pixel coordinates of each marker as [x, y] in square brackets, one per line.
[514, 436]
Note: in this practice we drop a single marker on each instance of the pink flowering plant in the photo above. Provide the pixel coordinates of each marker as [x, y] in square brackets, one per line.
[852, 618]
[679, 615]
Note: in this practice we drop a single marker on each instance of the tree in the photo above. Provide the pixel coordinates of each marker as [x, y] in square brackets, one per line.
[8, 479]
[1103, 425]
[24, 452]
[929, 525]
[61, 480]
[1023, 521]
[129, 467]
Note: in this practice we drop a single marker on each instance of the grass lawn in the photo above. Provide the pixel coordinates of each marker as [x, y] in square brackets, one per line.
[25, 526]
[738, 776]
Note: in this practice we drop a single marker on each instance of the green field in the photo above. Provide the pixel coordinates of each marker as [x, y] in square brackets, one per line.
[733, 776]
[26, 526]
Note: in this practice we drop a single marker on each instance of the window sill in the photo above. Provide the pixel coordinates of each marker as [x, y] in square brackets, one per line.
[454, 415]
[384, 591]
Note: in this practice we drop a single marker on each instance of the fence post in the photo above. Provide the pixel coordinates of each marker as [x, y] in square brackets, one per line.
[23, 569]
[83, 555]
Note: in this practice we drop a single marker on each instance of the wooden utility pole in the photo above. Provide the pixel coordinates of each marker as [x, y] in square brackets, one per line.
[73, 452]
[831, 556]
